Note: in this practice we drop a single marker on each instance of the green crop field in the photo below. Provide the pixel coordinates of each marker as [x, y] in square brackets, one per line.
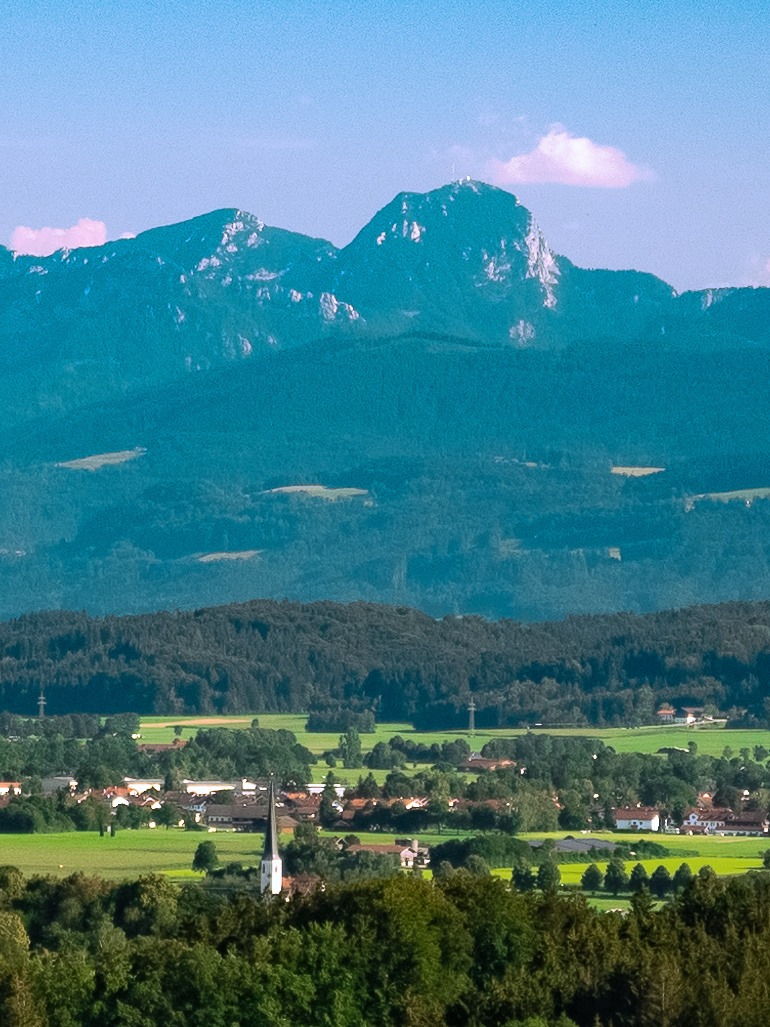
[146, 851]
[610, 904]
[723, 865]
[128, 854]
[708, 846]
[710, 739]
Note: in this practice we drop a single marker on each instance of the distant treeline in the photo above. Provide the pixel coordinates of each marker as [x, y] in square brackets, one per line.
[110, 755]
[268, 656]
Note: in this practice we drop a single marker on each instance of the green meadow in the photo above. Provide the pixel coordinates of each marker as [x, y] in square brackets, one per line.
[131, 853]
[170, 852]
[128, 854]
[710, 739]
[723, 865]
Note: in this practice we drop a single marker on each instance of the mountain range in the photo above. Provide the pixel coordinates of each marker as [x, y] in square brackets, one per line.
[443, 413]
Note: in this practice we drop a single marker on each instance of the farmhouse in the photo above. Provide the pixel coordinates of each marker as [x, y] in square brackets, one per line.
[236, 818]
[157, 747]
[749, 824]
[687, 715]
[409, 855]
[59, 783]
[476, 762]
[707, 821]
[10, 787]
[637, 818]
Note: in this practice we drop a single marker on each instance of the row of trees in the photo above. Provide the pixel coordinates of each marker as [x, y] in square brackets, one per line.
[615, 879]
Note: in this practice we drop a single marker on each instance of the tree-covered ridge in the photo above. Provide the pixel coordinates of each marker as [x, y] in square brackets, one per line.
[267, 656]
[462, 952]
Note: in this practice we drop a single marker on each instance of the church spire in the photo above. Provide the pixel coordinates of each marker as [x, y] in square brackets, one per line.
[271, 868]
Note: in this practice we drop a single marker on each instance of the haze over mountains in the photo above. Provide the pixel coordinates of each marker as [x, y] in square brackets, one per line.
[443, 413]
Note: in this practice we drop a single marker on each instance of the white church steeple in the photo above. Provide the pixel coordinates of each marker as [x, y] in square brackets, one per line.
[271, 868]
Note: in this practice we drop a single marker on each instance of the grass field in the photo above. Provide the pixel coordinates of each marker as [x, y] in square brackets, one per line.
[743, 495]
[723, 865]
[128, 854]
[683, 846]
[711, 740]
[131, 853]
[146, 851]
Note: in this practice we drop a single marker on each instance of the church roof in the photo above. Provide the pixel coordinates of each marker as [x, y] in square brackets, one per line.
[271, 831]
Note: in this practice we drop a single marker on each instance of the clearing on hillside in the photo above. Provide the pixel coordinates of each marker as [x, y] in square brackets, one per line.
[98, 460]
[746, 496]
[317, 492]
[636, 472]
[241, 554]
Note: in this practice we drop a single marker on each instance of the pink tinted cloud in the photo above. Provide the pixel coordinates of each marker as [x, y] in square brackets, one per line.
[40, 242]
[569, 160]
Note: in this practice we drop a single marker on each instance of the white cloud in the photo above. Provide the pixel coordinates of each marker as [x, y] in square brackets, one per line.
[569, 160]
[40, 242]
[758, 270]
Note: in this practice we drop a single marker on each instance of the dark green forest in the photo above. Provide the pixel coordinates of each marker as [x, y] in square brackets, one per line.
[465, 951]
[505, 507]
[267, 656]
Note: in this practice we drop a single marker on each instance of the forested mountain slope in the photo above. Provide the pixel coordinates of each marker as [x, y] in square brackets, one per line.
[267, 656]
[443, 414]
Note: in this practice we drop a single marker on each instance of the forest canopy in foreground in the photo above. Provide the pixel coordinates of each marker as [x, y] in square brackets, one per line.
[467, 951]
[267, 656]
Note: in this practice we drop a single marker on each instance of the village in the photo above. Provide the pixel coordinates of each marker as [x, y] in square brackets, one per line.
[242, 805]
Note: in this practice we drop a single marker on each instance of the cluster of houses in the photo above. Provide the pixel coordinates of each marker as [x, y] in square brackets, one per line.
[247, 805]
[700, 820]
[248, 810]
[685, 715]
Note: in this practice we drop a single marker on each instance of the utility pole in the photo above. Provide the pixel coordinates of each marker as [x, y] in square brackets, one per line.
[41, 706]
[471, 718]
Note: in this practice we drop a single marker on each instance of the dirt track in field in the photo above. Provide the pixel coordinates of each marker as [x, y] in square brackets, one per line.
[198, 722]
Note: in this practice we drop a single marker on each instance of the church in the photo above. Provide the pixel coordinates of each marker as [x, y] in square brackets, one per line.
[271, 867]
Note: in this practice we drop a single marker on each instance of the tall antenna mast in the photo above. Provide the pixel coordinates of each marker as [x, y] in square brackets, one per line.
[41, 705]
[471, 718]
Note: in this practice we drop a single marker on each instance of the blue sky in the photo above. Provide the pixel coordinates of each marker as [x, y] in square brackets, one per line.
[654, 118]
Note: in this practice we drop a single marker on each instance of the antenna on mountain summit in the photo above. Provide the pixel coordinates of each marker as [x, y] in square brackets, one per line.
[41, 705]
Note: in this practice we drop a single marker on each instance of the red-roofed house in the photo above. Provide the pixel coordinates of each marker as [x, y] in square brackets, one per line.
[636, 818]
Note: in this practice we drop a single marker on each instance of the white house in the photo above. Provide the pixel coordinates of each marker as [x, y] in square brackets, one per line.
[637, 818]
[316, 789]
[139, 785]
[10, 787]
[206, 787]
